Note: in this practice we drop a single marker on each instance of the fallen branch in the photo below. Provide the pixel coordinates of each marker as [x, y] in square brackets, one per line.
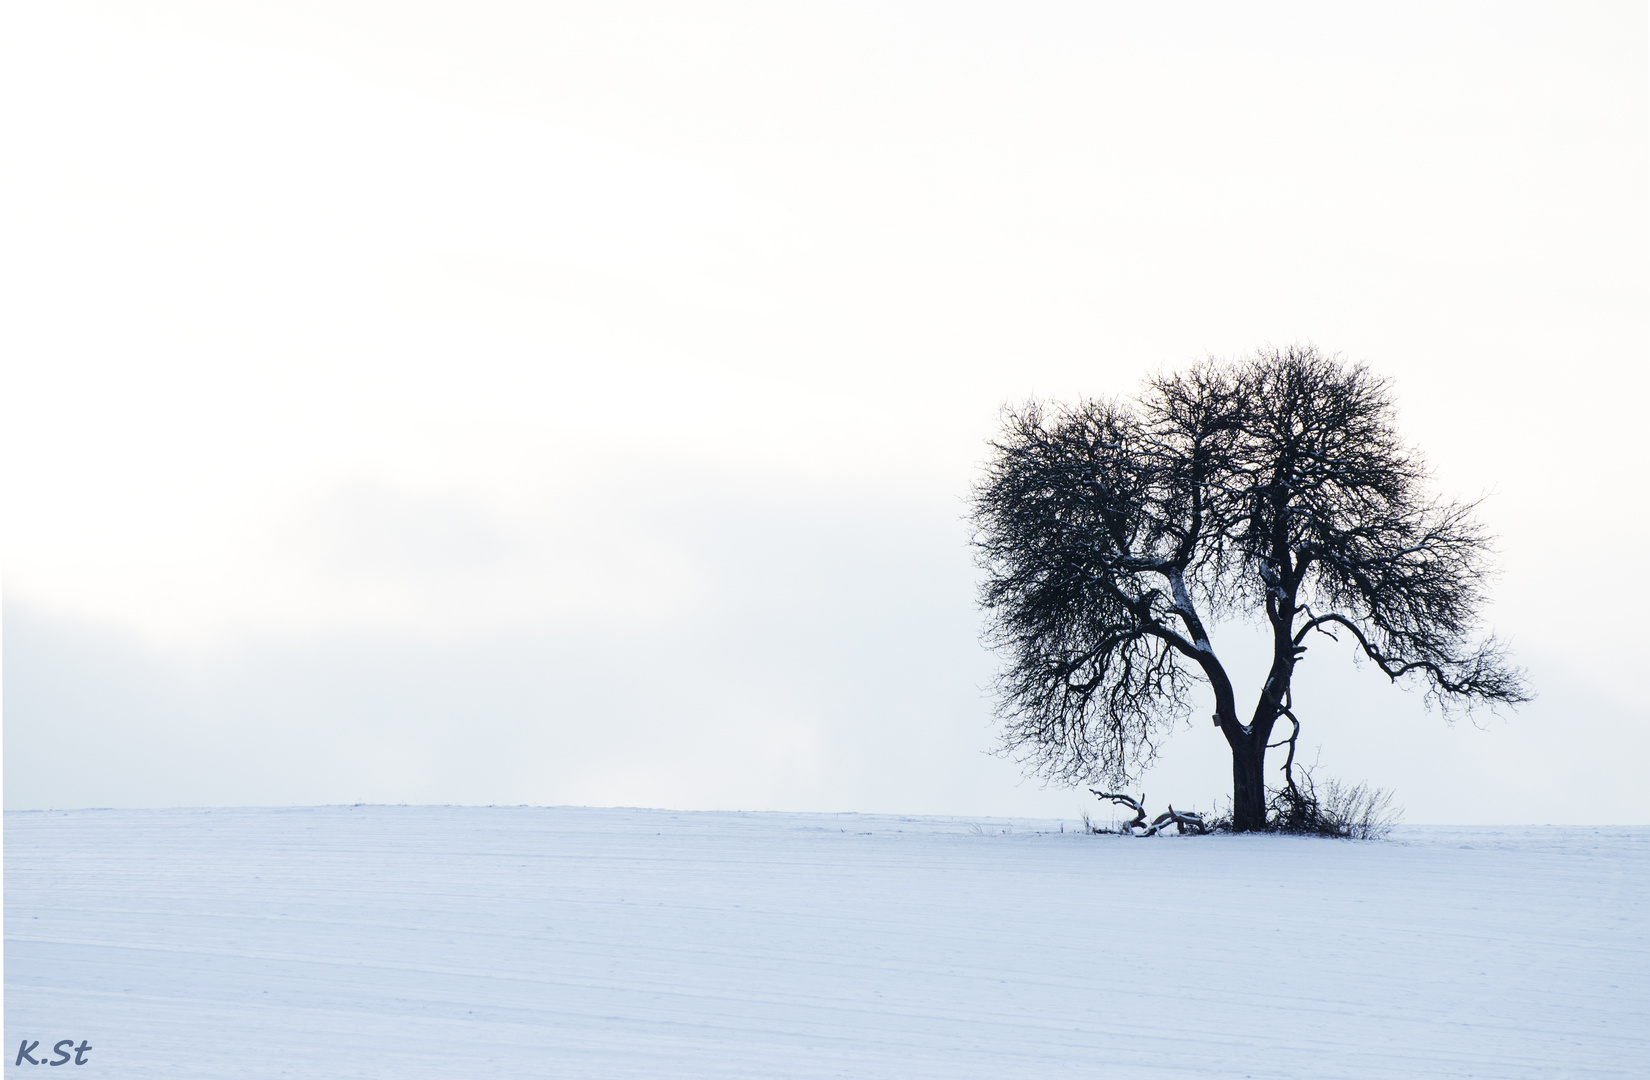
[1183, 821]
[1139, 811]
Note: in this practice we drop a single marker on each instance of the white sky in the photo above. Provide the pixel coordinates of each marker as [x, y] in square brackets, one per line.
[511, 402]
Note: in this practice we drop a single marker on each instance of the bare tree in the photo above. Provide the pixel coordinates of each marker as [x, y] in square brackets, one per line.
[1113, 531]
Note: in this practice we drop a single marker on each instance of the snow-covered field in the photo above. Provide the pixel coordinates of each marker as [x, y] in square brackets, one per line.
[481, 942]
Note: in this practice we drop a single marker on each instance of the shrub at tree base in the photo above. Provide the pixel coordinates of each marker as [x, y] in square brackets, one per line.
[1351, 811]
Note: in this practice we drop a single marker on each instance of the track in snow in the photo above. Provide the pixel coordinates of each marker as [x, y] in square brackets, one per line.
[450, 942]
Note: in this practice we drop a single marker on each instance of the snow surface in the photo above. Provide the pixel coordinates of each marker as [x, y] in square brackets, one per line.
[529, 942]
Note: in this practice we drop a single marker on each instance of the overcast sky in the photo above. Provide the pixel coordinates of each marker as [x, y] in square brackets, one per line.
[509, 402]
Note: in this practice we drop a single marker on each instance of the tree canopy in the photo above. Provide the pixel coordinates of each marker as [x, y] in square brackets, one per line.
[1114, 532]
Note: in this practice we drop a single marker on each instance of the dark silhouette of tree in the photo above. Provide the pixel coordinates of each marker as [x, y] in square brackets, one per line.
[1113, 531]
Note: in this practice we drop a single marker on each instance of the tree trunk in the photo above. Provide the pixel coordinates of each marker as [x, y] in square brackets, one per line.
[1248, 784]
